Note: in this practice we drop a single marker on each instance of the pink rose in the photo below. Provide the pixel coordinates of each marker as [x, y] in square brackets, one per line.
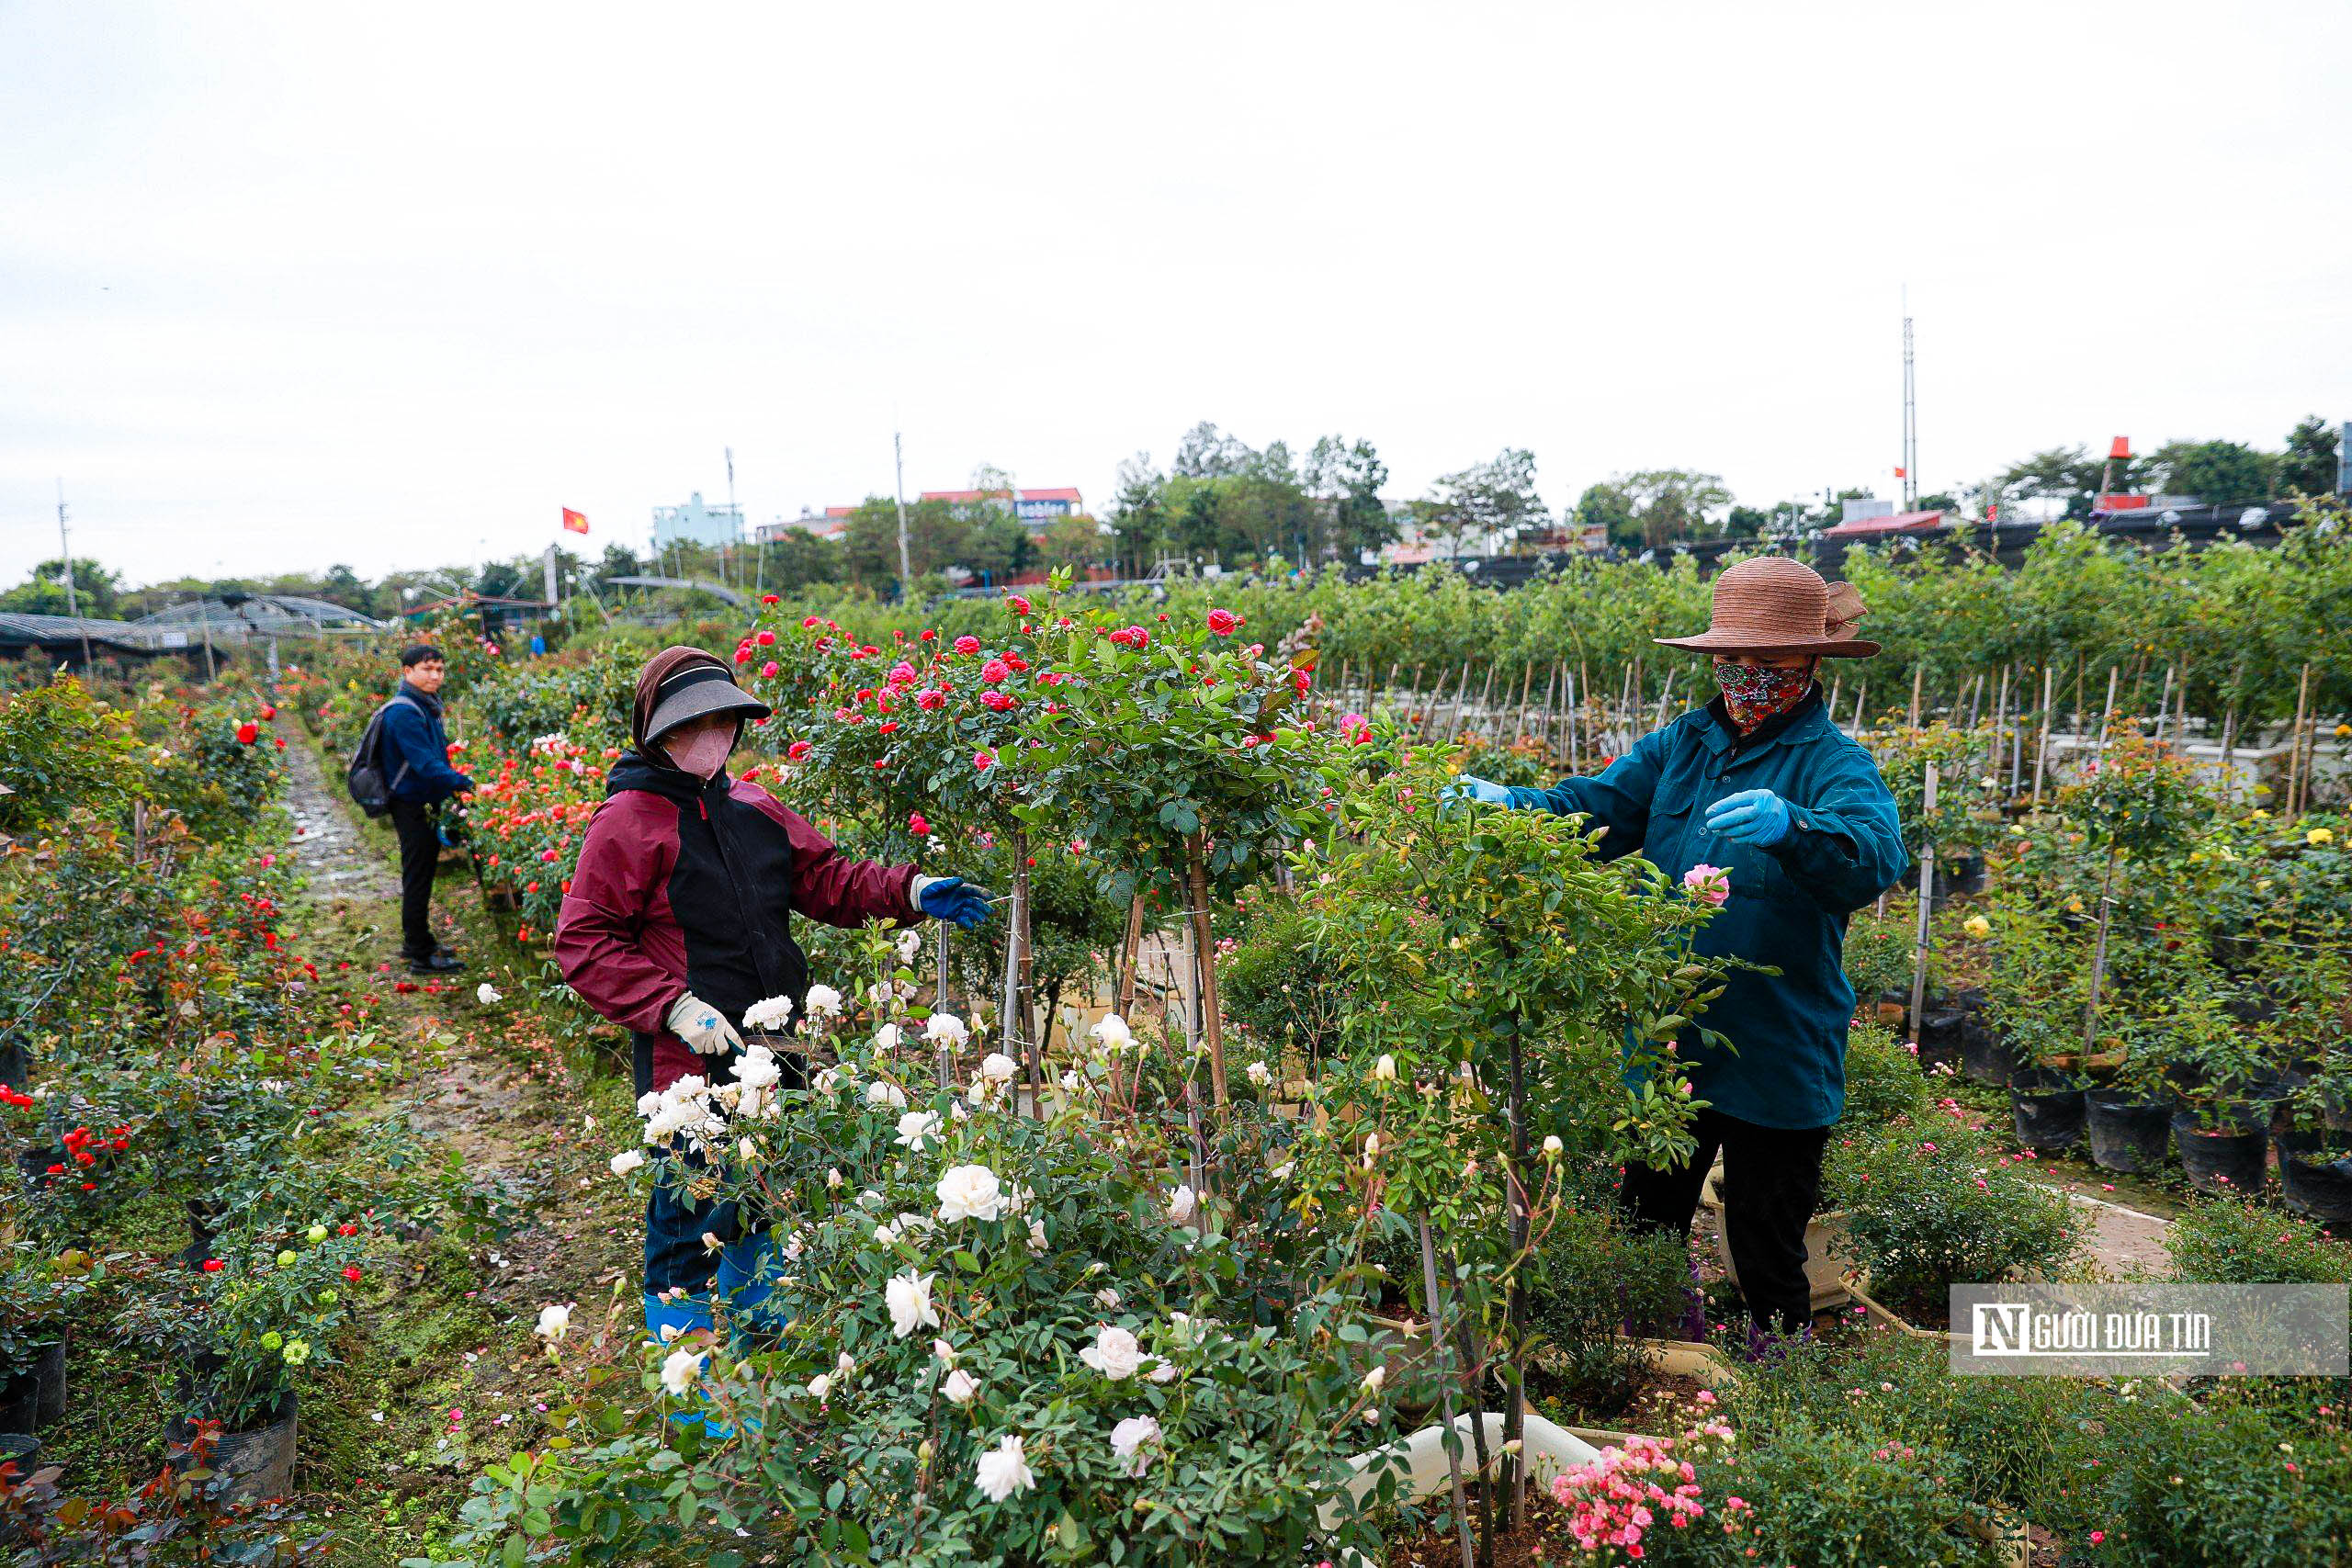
[967, 645]
[996, 669]
[1711, 883]
[1223, 622]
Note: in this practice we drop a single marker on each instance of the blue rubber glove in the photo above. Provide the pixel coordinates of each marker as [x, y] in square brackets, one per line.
[952, 899]
[1477, 789]
[1755, 816]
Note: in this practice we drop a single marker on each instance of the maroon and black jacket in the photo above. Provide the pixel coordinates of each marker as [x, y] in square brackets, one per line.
[685, 885]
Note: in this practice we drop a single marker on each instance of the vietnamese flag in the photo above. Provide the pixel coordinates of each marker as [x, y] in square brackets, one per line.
[575, 522]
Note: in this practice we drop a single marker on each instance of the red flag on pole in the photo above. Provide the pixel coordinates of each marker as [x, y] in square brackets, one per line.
[1898, 473]
[575, 522]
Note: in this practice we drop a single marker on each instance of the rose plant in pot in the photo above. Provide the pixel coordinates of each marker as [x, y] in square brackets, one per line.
[252, 1325]
[2222, 1073]
[2034, 986]
[37, 1296]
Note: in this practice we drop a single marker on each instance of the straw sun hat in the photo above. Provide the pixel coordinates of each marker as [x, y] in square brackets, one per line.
[1772, 604]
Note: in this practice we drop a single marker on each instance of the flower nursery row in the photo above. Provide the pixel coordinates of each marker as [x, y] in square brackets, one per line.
[1060, 1296]
[200, 1197]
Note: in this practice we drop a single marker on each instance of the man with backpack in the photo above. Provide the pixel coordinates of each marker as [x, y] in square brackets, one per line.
[412, 754]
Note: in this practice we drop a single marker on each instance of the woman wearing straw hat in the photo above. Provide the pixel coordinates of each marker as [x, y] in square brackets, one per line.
[1761, 784]
[677, 920]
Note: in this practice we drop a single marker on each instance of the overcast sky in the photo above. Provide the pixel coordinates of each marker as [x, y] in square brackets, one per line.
[286, 285]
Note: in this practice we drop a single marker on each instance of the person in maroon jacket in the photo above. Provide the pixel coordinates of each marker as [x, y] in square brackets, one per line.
[678, 918]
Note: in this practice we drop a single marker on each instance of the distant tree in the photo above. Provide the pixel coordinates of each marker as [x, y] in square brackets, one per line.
[2067, 474]
[2220, 473]
[2309, 463]
[620, 561]
[97, 590]
[1076, 541]
[1606, 505]
[1939, 501]
[1207, 453]
[1671, 504]
[1492, 496]
[1138, 515]
[800, 560]
[1745, 522]
[1347, 477]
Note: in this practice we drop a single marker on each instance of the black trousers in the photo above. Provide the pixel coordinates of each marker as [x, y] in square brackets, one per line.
[1771, 1180]
[420, 856]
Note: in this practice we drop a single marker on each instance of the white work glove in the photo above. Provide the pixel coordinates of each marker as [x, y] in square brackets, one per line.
[703, 1026]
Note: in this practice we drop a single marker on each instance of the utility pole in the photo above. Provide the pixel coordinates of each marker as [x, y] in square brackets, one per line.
[733, 516]
[73, 601]
[906, 556]
[1910, 416]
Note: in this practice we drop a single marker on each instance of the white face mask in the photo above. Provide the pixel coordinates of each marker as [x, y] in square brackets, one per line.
[702, 752]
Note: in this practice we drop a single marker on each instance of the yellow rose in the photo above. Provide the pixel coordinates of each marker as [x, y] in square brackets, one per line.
[1977, 925]
[2320, 836]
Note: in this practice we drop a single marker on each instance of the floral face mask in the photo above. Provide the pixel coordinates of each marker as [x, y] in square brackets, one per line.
[1754, 693]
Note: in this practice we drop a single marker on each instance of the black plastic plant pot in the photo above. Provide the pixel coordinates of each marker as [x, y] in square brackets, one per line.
[2315, 1169]
[2128, 1134]
[2047, 1111]
[258, 1459]
[2228, 1159]
[49, 1379]
[1986, 1057]
[24, 1450]
[20, 1403]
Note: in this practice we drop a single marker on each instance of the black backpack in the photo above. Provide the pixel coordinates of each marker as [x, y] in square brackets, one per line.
[364, 775]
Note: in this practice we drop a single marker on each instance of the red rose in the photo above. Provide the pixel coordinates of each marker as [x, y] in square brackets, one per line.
[797, 750]
[743, 654]
[810, 623]
[983, 760]
[764, 638]
[352, 1274]
[268, 712]
[249, 732]
[928, 636]
[1223, 623]
[213, 1266]
[916, 823]
[768, 598]
[346, 1228]
[1019, 605]
[967, 645]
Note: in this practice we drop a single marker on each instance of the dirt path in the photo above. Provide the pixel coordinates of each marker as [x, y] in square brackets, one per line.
[513, 1090]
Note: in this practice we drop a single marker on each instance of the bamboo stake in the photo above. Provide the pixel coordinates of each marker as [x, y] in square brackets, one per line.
[1918, 675]
[1927, 901]
[1835, 683]
[939, 1000]
[1446, 1389]
[1486, 698]
[2041, 749]
[1861, 693]
[1620, 741]
[1413, 702]
[2163, 706]
[2098, 955]
[2000, 716]
[2016, 751]
[1526, 688]
[1975, 699]
[2099, 747]
[1664, 696]
[1574, 714]
[2295, 742]
[1196, 866]
[2229, 744]
[1130, 955]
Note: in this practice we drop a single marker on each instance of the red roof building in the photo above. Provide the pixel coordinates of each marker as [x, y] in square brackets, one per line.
[1894, 523]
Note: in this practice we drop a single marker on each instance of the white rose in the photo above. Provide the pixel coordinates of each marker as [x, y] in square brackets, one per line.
[772, 1013]
[1260, 1074]
[1131, 1435]
[970, 1192]
[1373, 1379]
[1003, 1470]
[554, 1321]
[820, 1385]
[1181, 1204]
[626, 1161]
[845, 1364]
[679, 1373]
[833, 1180]
[959, 1386]
[888, 1037]
[998, 1066]
[1384, 1069]
[944, 1351]
[1037, 1236]
[916, 1128]
[909, 943]
[1163, 1370]
[1114, 1353]
[945, 1029]
[909, 1298]
[823, 1001]
[881, 1092]
[1552, 1146]
[757, 1068]
[1113, 1032]
[486, 993]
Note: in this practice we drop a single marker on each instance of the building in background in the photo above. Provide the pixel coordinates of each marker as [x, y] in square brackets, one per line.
[831, 524]
[695, 524]
[1036, 508]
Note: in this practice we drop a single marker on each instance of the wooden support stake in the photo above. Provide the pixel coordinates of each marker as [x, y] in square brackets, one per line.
[2163, 706]
[1574, 715]
[2295, 743]
[1927, 900]
[1526, 688]
[1485, 696]
[2000, 716]
[1918, 675]
[939, 1002]
[1664, 696]
[2042, 747]
[1413, 702]
[1196, 868]
[1439, 1357]
[1835, 683]
[2099, 747]
[2099, 955]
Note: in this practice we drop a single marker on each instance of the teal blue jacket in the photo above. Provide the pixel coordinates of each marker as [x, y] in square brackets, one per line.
[1788, 903]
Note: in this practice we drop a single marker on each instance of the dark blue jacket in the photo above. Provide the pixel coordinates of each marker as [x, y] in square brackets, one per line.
[1788, 903]
[415, 748]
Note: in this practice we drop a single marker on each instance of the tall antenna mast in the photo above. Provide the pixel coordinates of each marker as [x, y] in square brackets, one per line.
[1910, 416]
[72, 604]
